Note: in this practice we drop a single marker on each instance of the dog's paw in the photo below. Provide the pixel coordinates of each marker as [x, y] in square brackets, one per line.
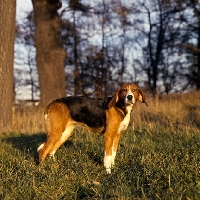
[52, 157]
[108, 171]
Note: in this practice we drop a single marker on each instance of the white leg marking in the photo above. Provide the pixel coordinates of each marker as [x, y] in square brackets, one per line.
[66, 134]
[107, 163]
[40, 147]
[51, 154]
[124, 124]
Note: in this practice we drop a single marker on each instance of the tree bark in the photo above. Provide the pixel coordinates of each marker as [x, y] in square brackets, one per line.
[7, 38]
[50, 54]
[77, 80]
[198, 59]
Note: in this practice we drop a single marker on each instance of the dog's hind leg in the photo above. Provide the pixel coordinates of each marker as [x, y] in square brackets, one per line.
[64, 137]
[52, 138]
[55, 124]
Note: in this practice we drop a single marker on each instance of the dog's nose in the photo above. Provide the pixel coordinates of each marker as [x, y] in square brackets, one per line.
[129, 97]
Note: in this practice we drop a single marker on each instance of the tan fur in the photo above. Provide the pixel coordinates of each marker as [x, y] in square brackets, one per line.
[60, 125]
[57, 119]
[114, 119]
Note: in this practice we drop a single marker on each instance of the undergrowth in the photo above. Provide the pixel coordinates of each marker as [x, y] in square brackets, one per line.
[152, 163]
[158, 157]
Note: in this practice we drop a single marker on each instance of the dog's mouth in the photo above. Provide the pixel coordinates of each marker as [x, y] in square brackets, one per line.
[128, 102]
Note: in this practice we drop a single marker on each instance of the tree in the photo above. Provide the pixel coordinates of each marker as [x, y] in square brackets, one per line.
[7, 37]
[26, 74]
[194, 32]
[153, 43]
[162, 35]
[50, 54]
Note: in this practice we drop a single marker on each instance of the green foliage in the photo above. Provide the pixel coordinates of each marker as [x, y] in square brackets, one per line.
[152, 163]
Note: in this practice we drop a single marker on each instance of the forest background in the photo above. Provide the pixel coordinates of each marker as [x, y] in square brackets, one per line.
[92, 47]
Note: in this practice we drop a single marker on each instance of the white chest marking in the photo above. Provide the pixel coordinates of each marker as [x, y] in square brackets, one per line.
[124, 124]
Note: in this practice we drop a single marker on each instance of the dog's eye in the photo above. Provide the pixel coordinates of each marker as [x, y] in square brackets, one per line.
[124, 90]
[134, 90]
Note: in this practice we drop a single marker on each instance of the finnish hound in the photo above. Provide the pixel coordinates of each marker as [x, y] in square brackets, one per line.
[109, 116]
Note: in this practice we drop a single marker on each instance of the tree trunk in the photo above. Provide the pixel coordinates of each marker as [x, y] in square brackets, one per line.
[50, 54]
[77, 84]
[198, 60]
[97, 82]
[7, 38]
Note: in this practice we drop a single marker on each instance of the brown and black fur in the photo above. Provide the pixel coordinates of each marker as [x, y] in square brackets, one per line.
[104, 115]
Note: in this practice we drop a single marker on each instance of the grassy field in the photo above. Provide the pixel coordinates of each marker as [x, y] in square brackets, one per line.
[158, 157]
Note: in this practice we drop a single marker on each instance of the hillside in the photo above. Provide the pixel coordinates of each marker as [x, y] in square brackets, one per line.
[158, 157]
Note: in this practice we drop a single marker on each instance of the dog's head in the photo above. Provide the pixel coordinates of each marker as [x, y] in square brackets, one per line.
[128, 94]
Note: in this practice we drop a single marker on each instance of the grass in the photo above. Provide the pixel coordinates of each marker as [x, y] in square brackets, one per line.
[159, 159]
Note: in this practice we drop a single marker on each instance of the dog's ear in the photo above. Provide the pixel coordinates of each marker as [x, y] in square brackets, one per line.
[142, 97]
[114, 99]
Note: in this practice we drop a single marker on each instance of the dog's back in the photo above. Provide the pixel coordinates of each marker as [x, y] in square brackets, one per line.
[86, 110]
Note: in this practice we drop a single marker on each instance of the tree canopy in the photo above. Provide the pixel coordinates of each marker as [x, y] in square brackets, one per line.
[152, 43]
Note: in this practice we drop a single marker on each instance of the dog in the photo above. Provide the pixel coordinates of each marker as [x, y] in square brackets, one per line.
[109, 116]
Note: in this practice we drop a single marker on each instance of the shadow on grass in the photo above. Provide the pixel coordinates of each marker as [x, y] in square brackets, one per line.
[27, 143]
[95, 158]
[78, 146]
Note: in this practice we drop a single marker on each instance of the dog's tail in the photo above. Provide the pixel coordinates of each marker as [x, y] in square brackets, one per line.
[40, 147]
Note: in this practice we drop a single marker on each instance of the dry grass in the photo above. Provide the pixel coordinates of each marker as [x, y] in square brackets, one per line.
[28, 120]
[158, 160]
[179, 110]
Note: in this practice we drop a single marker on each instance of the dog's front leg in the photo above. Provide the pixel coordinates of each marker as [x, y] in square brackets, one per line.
[115, 147]
[108, 154]
[107, 162]
[111, 145]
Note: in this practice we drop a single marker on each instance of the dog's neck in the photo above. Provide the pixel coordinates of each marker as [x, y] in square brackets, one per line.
[125, 122]
[124, 110]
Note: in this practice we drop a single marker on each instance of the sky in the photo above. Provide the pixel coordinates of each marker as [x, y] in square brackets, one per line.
[23, 6]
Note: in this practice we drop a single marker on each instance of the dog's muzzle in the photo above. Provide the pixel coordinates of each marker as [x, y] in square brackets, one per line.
[129, 97]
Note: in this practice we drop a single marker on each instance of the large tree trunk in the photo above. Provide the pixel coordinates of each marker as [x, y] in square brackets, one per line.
[198, 59]
[7, 38]
[50, 53]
